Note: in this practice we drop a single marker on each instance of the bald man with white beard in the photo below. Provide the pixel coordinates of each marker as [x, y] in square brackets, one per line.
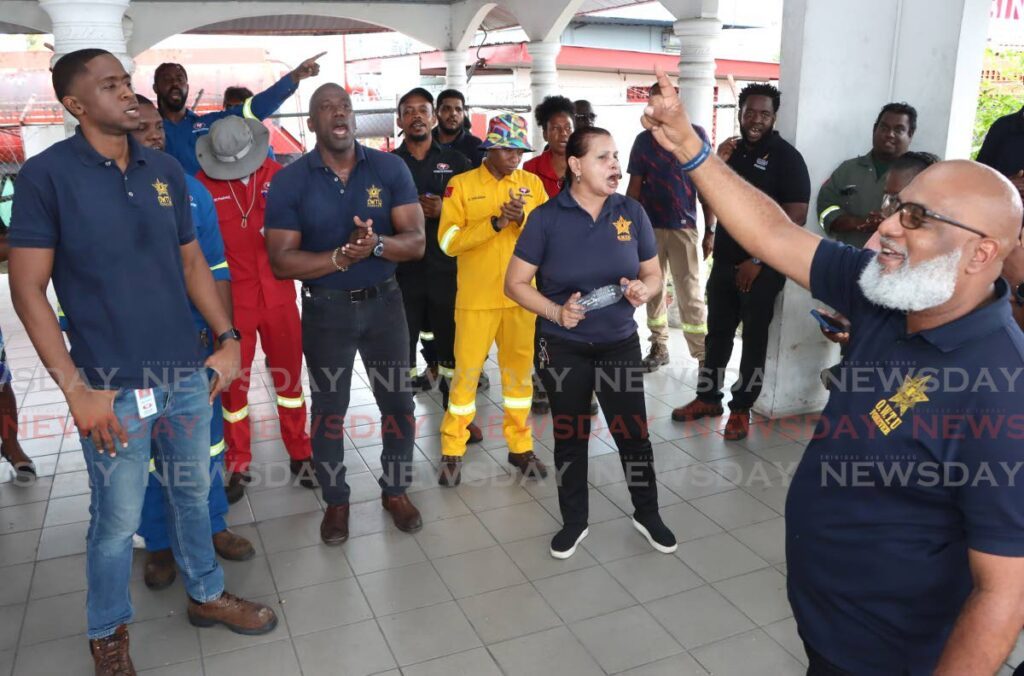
[905, 517]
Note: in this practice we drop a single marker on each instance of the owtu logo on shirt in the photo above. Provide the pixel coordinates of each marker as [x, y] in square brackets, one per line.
[163, 197]
[373, 199]
[910, 394]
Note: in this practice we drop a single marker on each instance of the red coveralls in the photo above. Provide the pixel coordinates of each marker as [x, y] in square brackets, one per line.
[263, 305]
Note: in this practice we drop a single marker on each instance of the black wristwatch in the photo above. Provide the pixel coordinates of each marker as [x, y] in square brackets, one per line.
[1018, 294]
[378, 249]
[230, 334]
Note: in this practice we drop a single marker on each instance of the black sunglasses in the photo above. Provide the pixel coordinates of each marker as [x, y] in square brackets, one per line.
[913, 216]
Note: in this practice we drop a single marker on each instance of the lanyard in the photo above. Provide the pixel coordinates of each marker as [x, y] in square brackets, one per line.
[252, 202]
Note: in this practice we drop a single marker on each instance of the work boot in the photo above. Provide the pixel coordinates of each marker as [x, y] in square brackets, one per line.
[485, 382]
[234, 487]
[738, 425]
[696, 409]
[334, 526]
[426, 380]
[160, 571]
[476, 435]
[450, 472]
[110, 654]
[237, 614]
[540, 404]
[303, 471]
[405, 515]
[232, 547]
[656, 358]
[529, 464]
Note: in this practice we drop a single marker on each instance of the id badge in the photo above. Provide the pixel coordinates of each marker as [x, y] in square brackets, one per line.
[146, 402]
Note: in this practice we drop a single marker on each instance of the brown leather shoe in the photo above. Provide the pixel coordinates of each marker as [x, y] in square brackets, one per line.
[738, 425]
[476, 435]
[234, 487]
[450, 473]
[334, 527]
[232, 546]
[696, 409]
[238, 615]
[529, 464]
[403, 512]
[110, 654]
[160, 570]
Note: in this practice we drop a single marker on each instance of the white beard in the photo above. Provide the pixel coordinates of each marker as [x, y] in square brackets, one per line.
[911, 288]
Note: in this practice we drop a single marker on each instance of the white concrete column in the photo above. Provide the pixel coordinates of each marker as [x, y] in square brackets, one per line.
[543, 80]
[455, 70]
[81, 24]
[863, 54]
[697, 38]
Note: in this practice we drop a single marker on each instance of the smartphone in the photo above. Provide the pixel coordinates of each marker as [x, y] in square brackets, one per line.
[827, 323]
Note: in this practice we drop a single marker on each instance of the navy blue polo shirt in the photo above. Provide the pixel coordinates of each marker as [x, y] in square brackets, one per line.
[667, 195]
[117, 263]
[573, 252]
[307, 197]
[913, 462]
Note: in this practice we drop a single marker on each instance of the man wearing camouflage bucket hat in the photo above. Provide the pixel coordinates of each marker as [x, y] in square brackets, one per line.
[481, 217]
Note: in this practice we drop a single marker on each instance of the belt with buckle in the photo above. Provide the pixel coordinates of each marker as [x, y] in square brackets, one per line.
[351, 295]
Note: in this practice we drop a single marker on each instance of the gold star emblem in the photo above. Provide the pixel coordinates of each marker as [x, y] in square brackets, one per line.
[911, 393]
[163, 197]
[373, 197]
[622, 228]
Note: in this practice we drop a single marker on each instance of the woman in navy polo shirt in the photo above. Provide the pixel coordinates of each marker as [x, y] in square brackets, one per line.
[587, 238]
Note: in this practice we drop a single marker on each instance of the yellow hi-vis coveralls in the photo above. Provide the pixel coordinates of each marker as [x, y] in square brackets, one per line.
[483, 313]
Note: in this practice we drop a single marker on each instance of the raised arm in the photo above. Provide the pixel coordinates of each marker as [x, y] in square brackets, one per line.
[756, 222]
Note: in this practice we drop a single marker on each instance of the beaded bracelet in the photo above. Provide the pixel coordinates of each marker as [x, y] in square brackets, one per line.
[704, 153]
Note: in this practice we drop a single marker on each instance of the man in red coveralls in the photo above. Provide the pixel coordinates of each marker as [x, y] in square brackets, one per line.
[237, 173]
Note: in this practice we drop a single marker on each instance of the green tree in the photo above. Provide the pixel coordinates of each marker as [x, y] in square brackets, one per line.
[1001, 93]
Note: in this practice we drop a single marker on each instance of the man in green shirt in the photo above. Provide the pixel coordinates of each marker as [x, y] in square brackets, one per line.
[850, 200]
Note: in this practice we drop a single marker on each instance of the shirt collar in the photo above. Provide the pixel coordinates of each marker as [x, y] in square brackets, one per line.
[545, 167]
[88, 155]
[762, 145]
[317, 162]
[565, 200]
[974, 325]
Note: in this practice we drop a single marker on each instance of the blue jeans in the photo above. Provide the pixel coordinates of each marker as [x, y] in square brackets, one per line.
[178, 436]
[155, 509]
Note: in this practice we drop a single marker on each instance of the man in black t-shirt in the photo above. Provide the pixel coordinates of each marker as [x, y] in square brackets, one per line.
[429, 285]
[742, 288]
[452, 130]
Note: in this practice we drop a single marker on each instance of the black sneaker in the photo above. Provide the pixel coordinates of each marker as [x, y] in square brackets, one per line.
[565, 542]
[656, 532]
[303, 471]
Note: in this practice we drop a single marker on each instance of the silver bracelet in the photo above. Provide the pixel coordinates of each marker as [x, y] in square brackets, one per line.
[553, 314]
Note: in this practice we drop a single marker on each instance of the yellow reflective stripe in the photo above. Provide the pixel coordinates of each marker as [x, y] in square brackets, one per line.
[518, 402]
[414, 372]
[446, 372]
[825, 214]
[657, 321]
[217, 448]
[60, 311]
[446, 241]
[247, 109]
[152, 465]
[426, 335]
[695, 328]
[219, 266]
[235, 416]
[468, 409]
[289, 402]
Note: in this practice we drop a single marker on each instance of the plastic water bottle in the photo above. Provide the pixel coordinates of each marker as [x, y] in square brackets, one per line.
[602, 297]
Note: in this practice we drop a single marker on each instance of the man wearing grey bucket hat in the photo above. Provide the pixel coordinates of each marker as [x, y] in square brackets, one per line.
[237, 172]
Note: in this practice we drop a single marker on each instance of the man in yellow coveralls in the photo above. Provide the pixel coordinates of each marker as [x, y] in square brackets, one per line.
[481, 217]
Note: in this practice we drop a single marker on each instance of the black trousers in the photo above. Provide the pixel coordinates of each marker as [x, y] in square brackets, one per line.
[429, 303]
[571, 371]
[727, 307]
[333, 329]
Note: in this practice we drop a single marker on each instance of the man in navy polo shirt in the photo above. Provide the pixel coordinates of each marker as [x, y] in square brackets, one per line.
[109, 221]
[340, 219]
[670, 200]
[905, 517]
[183, 126]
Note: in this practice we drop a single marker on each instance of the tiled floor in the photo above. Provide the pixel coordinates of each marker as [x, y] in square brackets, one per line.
[474, 593]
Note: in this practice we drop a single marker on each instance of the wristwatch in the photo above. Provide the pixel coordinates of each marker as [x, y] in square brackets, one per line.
[378, 250]
[230, 334]
[1018, 293]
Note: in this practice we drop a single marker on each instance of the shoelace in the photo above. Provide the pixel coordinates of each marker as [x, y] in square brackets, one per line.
[113, 654]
